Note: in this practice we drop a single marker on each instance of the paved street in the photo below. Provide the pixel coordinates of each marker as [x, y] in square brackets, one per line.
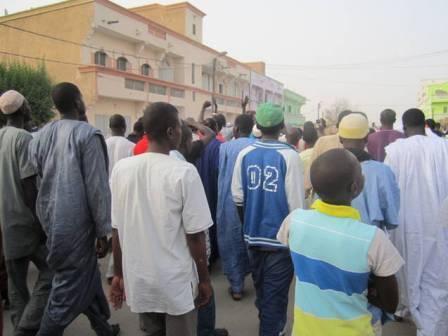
[240, 318]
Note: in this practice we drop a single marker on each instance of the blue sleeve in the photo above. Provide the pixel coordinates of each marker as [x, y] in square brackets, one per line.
[390, 199]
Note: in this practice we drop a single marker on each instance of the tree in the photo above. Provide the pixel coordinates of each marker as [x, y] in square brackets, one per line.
[331, 113]
[34, 83]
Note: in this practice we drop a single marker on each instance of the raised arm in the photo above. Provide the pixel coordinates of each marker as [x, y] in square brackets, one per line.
[207, 132]
[205, 106]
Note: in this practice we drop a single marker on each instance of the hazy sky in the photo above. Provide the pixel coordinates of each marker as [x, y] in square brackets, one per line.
[374, 53]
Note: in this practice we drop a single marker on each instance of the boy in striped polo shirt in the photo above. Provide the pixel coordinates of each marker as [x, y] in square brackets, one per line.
[267, 184]
[334, 253]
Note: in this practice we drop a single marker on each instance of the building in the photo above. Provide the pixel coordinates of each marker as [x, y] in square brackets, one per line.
[433, 99]
[263, 89]
[292, 105]
[122, 59]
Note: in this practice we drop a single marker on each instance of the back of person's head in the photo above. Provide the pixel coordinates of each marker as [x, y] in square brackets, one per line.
[117, 123]
[270, 119]
[212, 124]
[336, 177]
[66, 97]
[341, 116]
[413, 118]
[293, 134]
[138, 126]
[309, 133]
[220, 121]
[244, 124]
[431, 123]
[160, 120]
[388, 117]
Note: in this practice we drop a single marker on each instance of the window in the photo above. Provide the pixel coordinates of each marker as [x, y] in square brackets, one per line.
[194, 96]
[221, 88]
[100, 58]
[134, 84]
[445, 109]
[194, 29]
[177, 93]
[122, 63]
[289, 109]
[193, 70]
[146, 70]
[166, 71]
[157, 89]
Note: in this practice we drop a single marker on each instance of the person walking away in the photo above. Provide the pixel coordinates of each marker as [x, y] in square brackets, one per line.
[378, 141]
[420, 164]
[73, 205]
[159, 215]
[234, 259]
[267, 184]
[379, 202]
[118, 147]
[22, 234]
[334, 254]
[309, 137]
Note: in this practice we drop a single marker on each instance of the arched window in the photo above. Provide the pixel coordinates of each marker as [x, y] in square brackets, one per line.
[100, 58]
[146, 69]
[122, 63]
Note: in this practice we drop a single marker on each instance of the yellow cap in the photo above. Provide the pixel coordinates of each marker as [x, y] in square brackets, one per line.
[354, 126]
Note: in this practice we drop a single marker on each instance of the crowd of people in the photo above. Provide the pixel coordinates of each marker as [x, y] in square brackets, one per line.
[356, 218]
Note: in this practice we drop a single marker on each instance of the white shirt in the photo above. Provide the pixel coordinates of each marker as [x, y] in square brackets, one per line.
[156, 201]
[118, 148]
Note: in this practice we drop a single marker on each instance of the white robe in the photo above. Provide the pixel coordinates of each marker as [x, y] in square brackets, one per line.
[420, 164]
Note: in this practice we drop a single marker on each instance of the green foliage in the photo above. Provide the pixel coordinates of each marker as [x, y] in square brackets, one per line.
[34, 83]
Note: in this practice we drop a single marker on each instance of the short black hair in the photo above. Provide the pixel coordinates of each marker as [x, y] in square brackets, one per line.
[273, 130]
[413, 117]
[388, 117]
[245, 123]
[342, 115]
[64, 96]
[220, 120]
[431, 123]
[138, 125]
[309, 133]
[158, 117]
[332, 173]
[117, 122]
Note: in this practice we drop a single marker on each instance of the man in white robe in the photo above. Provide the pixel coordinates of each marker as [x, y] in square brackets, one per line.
[420, 164]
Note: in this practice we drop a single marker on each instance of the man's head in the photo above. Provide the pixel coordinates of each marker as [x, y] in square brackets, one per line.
[342, 115]
[243, 126]
[413, 122]
[162, 125]
[270, 120]
[117, 124]
[336, 177]
[388, 118]
[212, 124]
[15, 107]
[353, 131]
[68, 100]
[309, 134]
[138, 127]
[220, 121]
[293, 134]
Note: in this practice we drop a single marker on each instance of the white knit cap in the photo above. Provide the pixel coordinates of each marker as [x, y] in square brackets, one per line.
[11, 101]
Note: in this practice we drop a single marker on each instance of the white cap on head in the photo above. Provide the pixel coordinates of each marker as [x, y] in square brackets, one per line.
[11, 101]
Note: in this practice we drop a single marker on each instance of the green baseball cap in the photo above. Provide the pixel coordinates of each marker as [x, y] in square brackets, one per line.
[269, 115]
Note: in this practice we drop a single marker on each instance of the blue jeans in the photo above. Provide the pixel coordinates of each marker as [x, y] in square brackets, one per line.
[207, 319]
[272, 272]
